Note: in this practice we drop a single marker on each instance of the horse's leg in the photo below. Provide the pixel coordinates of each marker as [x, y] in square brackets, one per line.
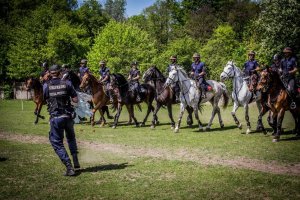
[272, 122]
[182, 108]
[189, 118]
[36, 112]
[213, 113]
[220, 117]
[119, 109]
[158, 105]
[279, 119]
[106, 110]
[102, 118]
[262, 111]
[133, 117]
[197, 117]
[246, 107]
[169, 106]
[235, 107]
[150, 107]
[296, 119]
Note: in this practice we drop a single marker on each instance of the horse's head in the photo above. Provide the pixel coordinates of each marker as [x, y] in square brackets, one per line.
[149, 75]
[173, 76]
[264, 81]
[86, 79]
[46, 77]
[228, 71]
[29, 83]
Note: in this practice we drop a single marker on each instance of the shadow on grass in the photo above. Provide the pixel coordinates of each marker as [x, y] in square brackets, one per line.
[104, 168]
[291, 139]
[2, 159]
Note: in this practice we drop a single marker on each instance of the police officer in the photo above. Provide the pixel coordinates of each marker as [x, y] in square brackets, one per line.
[45, 72]
[198, 72]
[289, 69]
[276, 66]
[174, 87]
[250, 68]
[58, 95]
[83, 68]
[134, 76]
[105, 79]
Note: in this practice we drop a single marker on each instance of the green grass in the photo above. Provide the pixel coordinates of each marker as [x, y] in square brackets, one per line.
[33, 171]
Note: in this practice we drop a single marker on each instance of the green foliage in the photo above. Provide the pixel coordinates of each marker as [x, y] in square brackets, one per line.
[220, 49]
[116, 9]
[120, 44]
[183, 48]
[278, 26]
[7, 90]
[65, 44]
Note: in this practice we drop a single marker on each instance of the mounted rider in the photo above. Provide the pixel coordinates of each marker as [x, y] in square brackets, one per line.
[250, 71]
[276, 66]
[198, 72]
[175, 87]
[83, 68]
[289, 69]
[68, 74]
[134, 76]
[105, 79]
[45, 72]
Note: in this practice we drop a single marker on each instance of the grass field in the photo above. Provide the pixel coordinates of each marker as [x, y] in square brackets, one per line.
[140, 163]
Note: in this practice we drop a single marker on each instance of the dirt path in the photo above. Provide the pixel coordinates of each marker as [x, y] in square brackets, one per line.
[167, 154]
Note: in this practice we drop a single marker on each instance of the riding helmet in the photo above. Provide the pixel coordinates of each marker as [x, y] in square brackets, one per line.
[196, 55]
[251, 53]
[287, 50]
[54, 68]
[173, 57]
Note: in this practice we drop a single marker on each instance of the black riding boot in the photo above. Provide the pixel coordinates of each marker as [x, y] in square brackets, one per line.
[177, 97]
[203, 92]
[75, 161]
[111, 99]
[70, 170]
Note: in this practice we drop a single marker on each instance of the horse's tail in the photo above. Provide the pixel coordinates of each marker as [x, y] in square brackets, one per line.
[200, 106]
[225, 96]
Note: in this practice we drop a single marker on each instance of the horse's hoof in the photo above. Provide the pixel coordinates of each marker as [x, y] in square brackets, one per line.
[93, 123]
[42, 117]
[142, 124]
[248, 131]
[34, 123]
[172, 127]
[240, 126]
[176, 130]
[275, 140]
[222, 126]
[113, 127]
[137, 125]
[152, 127]
[157, 123]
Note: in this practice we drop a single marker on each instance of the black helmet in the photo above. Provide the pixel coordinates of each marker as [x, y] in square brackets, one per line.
[134, 63]
[45, 65]
[54, 68]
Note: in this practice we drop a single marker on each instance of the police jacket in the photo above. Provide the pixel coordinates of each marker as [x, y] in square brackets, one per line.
[249, 66]
[82, 70]
[288, 64]
[104, 72]
[57, 94]
[198, 68]
[134, 73]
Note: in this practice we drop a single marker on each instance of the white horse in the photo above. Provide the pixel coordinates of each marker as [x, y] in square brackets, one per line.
[240, 94]
[190, 95]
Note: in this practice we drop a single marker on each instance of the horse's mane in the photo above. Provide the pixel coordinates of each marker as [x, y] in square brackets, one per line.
[183, 72]
[160, 75]
[122, 83]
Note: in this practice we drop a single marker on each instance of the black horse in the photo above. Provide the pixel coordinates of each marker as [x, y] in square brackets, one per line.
[127, 97]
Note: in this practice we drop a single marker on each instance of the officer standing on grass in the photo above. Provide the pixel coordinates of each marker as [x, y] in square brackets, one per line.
[58, 94]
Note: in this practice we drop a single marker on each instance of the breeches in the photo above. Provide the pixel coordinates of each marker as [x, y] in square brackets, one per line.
[56, 135]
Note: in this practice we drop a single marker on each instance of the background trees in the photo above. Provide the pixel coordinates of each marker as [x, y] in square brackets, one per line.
[61, 32]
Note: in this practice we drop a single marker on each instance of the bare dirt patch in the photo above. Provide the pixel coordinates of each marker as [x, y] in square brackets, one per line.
[167, 154]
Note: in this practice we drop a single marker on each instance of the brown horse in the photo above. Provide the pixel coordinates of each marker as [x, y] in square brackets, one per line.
[279, 101]
[127, 97]
[33, 83]
[164, 95]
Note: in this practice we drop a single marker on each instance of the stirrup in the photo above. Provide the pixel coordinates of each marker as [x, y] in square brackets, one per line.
[293, 105]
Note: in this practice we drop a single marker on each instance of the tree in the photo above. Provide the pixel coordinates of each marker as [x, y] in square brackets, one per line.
[183, 48]
[219, 50]
[120, 44]
[116, 9]
[278, 26]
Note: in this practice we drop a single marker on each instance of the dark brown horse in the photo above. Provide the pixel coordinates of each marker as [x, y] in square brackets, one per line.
[127, 97]
[33, 83]
[164, 95]
[278, 100]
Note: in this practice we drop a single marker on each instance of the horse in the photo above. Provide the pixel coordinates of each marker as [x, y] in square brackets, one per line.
[99, 97]
[125, 96]
[279, 101]
[38, 99]
[164, 97]
[189, 93]
[241, 95]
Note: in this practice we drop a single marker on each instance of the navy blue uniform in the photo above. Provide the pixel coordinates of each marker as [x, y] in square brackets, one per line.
[175, 87]
[57, 93]
[249, 67]
[82, 70]
[198, 68]
[287, 65]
